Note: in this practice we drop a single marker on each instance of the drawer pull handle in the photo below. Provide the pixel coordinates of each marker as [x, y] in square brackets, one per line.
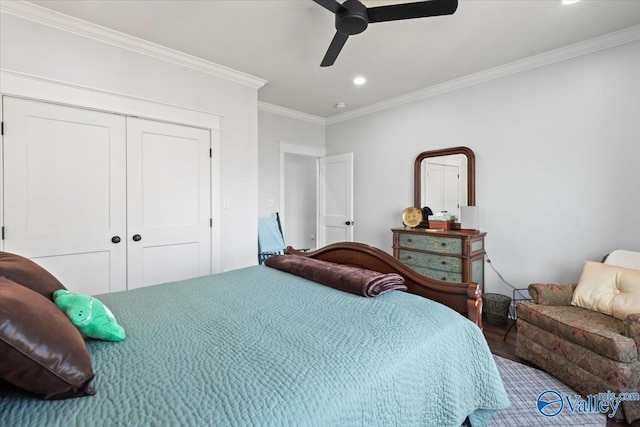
[444, 279]
[443, 244]
[443, 262]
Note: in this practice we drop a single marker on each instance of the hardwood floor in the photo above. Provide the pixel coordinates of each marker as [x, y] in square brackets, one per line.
[506, 347]
[501, 346]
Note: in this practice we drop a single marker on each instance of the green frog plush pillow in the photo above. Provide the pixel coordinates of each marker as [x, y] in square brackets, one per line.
[92, 318]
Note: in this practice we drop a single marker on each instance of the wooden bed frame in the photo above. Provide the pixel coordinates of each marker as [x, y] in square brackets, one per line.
[465, 298]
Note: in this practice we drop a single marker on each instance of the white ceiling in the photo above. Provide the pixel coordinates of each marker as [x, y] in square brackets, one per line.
[284, 41]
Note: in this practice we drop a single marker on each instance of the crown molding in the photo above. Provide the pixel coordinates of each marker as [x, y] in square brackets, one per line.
[30, 86]
[86, 29]
[287, 112]
[42, 15]
[613, 39]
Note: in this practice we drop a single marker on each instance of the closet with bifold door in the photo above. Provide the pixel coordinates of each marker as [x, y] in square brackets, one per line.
[104, 201]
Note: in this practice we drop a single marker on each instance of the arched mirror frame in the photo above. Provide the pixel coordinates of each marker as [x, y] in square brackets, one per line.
[471, 172]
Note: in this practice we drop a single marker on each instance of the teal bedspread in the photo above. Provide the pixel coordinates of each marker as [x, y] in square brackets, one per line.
[257, 346]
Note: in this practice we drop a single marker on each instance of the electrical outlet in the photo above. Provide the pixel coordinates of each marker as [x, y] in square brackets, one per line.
[271, 203]
[226, 204]
[313, 237]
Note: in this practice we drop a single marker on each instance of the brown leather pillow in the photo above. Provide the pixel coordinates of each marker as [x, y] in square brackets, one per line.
[27, 273]
[40, 349]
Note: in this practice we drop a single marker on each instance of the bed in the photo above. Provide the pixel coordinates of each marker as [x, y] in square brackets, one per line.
[258, 346]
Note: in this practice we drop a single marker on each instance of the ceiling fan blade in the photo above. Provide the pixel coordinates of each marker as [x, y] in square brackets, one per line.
[331, 5]
[420, 9]
[334, 49]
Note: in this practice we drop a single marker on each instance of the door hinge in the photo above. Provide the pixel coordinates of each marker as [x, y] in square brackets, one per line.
[210, 222]
[3, 232]
[1, 128]
[211, 152]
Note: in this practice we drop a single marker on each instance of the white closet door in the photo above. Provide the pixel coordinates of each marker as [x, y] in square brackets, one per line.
[169, 207]
[65, 192]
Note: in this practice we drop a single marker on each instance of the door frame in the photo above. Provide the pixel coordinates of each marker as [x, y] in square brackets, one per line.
[286, 147]
[449, 160]
[322, 193]
[36, 88]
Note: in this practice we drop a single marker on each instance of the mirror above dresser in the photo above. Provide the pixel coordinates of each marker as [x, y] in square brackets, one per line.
[443, 180]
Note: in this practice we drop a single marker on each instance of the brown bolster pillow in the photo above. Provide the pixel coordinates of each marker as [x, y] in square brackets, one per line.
[355, 280]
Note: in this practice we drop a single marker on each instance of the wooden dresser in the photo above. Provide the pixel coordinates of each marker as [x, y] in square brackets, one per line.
[451, 256]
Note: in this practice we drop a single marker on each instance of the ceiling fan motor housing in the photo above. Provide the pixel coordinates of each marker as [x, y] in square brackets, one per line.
[352, 18]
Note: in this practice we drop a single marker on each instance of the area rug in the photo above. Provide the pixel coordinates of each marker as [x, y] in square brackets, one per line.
[524, 384]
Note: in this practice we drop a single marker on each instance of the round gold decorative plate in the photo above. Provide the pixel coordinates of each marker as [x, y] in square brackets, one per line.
[411, 217]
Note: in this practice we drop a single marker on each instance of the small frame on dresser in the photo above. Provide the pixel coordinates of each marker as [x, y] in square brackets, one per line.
[465, 298]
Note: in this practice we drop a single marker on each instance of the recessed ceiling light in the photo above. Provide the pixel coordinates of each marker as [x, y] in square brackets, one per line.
[570, 1]
[340, 105]
[359, 81]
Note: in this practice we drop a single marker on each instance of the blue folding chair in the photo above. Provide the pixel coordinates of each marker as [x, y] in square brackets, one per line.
[270, 238]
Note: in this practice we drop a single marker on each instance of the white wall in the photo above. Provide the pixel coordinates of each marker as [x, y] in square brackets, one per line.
[39, 50]
[557, 154]
[273, 128]
[301, 207]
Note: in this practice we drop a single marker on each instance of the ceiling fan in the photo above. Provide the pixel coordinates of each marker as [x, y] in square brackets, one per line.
[352, 17]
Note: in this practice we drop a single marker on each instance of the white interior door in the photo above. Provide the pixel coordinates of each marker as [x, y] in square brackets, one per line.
[335, 222]
[443, 188]
[451, 190]
[169, 208]
[65, 192]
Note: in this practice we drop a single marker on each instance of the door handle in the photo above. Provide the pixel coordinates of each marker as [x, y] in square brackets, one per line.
[349, 223]
[115, 239]
[137, 237]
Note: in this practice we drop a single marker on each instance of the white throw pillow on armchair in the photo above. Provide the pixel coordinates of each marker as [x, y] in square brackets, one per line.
[608, 289]
[622, 258]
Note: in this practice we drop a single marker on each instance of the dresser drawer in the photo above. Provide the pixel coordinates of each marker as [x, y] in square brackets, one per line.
[445, 245]
[438, 274]
[449, 256]
[432, 261]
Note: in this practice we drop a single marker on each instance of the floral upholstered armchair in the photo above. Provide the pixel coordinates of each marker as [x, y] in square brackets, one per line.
[588, 335]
